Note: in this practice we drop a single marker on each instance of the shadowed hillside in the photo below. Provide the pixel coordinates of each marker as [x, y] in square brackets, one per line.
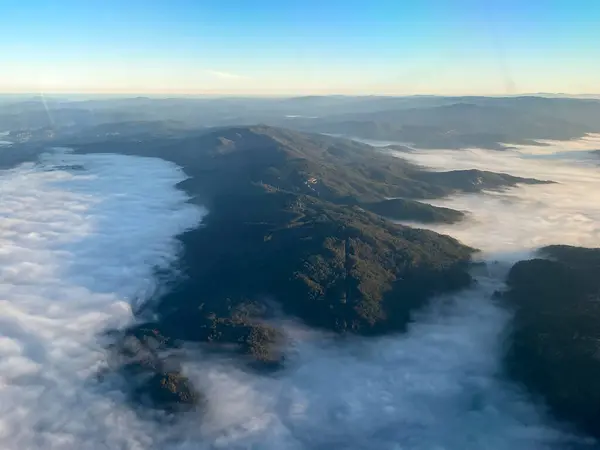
[554, 342]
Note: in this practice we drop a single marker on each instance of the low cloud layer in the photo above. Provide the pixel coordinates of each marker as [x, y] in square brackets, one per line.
[508, 225]
[438, 386]
[78, 247]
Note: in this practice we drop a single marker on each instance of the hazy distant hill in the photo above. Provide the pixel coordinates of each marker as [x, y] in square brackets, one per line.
[487, 123]
[424, 121]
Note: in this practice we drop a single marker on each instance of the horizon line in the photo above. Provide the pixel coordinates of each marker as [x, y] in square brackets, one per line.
[166, 94]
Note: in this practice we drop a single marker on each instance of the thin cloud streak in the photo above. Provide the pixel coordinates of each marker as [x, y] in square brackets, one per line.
[225, 75]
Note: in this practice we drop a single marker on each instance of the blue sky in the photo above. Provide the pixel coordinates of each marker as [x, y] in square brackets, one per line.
[300, 47]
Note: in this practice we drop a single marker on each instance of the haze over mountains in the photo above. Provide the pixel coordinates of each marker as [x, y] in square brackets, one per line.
[310, 308]
[424, 121]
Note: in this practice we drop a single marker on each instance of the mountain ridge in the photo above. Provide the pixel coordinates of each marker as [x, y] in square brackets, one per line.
[287, 222]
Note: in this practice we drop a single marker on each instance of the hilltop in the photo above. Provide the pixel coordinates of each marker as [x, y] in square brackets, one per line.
[334, 169]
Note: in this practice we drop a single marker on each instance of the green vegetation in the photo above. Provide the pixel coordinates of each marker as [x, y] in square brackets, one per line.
[554, 344]
[410, 210]
[335, 267]
[341, 171]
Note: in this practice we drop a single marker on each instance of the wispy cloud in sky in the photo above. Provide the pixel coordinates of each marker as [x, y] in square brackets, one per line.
[225, 75]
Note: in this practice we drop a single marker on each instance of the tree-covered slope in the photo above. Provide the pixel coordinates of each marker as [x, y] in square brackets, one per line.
[410, 210]
[334, 169]
[554, 346]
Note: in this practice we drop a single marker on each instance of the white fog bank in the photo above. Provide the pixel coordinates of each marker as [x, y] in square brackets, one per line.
[512, 223]
[436, 387]
[78, 245]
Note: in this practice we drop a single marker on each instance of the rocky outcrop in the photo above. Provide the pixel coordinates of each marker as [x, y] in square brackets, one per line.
[153, 378]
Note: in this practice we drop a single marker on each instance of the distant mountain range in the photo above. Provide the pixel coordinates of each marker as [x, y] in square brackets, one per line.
[493, 123]
[422, 121]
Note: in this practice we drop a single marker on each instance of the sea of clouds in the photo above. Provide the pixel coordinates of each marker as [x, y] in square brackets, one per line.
[78, 246]
[520, 220]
